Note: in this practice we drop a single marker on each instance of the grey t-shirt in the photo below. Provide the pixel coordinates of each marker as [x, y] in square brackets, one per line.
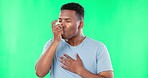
[94, 55]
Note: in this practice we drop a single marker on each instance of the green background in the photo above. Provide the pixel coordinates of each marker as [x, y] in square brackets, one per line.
[25, 26]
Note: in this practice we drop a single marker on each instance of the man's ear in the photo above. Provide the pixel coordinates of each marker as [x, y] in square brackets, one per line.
[81, 24]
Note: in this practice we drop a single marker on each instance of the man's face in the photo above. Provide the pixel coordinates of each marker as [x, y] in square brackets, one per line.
[70, 23]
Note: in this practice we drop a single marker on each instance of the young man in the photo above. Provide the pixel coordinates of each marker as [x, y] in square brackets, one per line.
[70, 54]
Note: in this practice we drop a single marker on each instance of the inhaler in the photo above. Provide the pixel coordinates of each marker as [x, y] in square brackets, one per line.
[57, 23]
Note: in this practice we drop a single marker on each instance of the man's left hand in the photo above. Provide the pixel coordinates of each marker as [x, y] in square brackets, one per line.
[72, 65]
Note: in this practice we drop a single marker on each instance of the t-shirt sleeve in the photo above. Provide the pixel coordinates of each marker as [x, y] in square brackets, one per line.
[48, 43]
[103, 59]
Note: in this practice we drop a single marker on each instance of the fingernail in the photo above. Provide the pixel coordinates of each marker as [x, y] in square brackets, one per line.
[60, 56]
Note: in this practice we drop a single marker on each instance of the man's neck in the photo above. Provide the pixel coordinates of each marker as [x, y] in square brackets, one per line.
[75, 40]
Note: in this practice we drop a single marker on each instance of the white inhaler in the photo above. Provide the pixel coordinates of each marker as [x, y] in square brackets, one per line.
[57, 23]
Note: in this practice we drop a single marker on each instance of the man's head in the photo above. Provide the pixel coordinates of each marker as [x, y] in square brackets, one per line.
[76, 7]
[71, 18]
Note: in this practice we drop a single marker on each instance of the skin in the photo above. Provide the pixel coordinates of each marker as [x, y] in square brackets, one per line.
[70, 29]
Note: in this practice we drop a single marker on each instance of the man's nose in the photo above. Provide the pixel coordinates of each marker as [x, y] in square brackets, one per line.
[63, 24]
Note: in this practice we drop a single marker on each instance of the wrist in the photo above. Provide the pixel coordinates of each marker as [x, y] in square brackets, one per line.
[80, 71]
[55, 42]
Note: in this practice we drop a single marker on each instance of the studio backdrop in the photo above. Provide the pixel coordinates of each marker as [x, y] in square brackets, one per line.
[122, 25]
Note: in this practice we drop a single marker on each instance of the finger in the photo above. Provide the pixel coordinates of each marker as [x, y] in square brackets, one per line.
[64, 67]
[57, 28]
[53, 23]
[68, 57]
[77, 56]
[61, 26]
[63, 58]
[65, 62]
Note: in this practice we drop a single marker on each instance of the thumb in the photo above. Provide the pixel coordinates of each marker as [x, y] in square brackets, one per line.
[53, 23]
[77, 57]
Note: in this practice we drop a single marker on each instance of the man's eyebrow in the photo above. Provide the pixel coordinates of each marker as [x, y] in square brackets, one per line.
[65, 18]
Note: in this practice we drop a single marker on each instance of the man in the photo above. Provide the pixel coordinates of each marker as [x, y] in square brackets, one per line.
[70, 54]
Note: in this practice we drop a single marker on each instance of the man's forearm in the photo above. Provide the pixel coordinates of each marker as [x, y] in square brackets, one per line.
[86, 74]
[44, 63]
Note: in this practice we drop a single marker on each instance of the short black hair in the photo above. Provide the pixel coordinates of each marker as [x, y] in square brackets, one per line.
[76, 7]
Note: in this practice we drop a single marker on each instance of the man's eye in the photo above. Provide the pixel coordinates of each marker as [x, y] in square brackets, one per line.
[68, 21]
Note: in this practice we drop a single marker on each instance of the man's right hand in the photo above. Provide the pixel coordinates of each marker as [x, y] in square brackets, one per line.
[43, 65]
[57, 31]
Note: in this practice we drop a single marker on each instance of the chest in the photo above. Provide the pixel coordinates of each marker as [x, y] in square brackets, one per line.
[87, 55]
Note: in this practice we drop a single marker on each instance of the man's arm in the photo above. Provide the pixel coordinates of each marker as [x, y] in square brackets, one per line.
[86, 74]
[43, 65]
[76, 66]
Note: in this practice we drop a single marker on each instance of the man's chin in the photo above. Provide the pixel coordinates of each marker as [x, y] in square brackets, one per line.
[64, 37]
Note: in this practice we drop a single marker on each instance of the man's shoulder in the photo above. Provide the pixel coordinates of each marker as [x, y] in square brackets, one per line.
[95, 42]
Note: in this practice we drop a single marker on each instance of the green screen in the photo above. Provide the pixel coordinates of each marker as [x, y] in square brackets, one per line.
[122, 25]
